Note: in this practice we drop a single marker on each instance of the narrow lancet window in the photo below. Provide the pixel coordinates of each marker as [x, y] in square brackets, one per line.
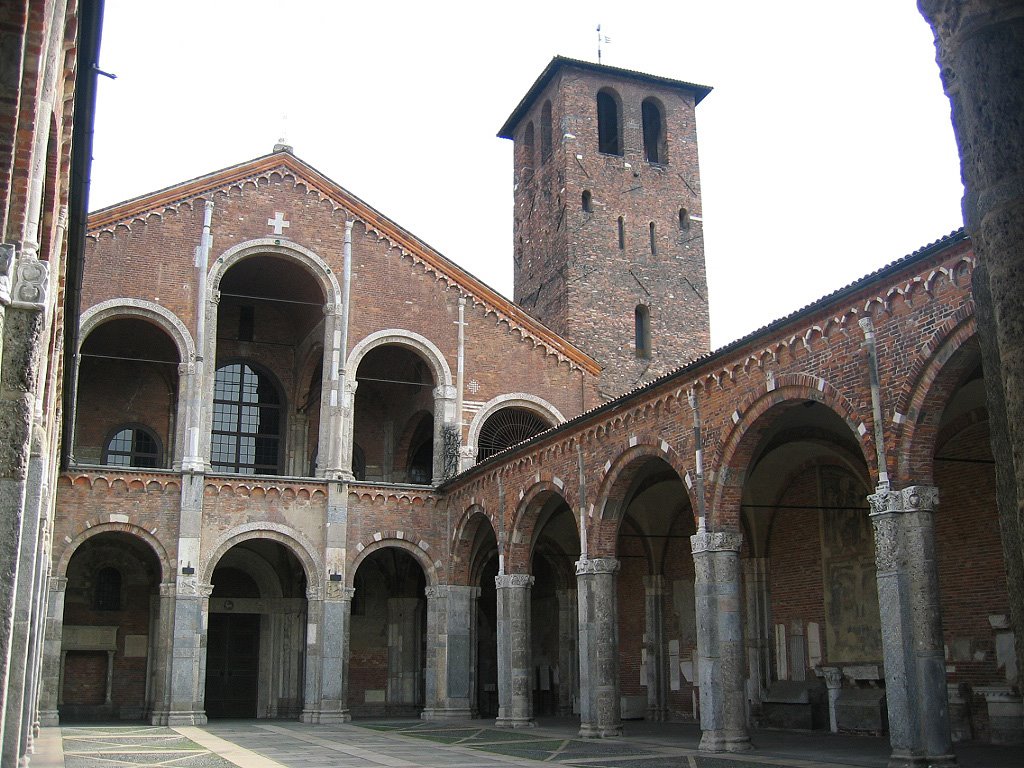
[642, 323]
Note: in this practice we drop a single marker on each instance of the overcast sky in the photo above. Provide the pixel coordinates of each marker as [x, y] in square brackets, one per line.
[826, 148]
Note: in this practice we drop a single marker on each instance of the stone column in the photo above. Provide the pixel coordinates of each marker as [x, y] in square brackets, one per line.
[404, 631]
[912, 644]
[654, 646]
[515, 669]
[600, 707]
[723, 706]
[327, 653]
[833, 677]
[49, 689]
[451, 652]
[981, 60]
[756, 628]
[187, 673]
[161, 650]
[568, 658]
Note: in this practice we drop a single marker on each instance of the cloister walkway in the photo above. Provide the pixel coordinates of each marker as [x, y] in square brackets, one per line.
[459, 744]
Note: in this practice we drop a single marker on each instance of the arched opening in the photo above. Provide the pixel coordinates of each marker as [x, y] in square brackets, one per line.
[653, 238]
[804, 509]
[270, 320]
[111, 627]
[642, 330]
[554, 647]
[974, 601]
[507, 427]
[622, 233]
[256, 635]
[587, 202]
[684, 219]
[127, 409]
[388, 637]
[394, 416]
[609, 123]
[653, 118]
[483, 560]
[545, 132]
[656, 615]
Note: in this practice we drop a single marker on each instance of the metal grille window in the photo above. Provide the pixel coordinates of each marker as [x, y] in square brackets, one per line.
[246, 436]
[506, 428]
[132, 447]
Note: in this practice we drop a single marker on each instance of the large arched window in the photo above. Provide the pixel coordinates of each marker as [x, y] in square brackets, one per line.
[132, 445]
[247, 431]
[654, 131]
[508, 427]
[609, 130]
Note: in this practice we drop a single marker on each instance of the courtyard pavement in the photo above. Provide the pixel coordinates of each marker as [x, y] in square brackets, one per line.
[456, 744]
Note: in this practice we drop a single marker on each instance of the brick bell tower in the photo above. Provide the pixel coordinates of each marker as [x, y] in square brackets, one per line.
[609, 247]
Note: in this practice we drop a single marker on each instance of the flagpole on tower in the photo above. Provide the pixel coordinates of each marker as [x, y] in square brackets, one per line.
[598, 43]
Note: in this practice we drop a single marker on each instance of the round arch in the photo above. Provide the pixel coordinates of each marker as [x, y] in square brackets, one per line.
[524, 531]
[402, 338]
[732, 461]
[937, 377]
[163, 318]
[532, 403]
[166, 571]
[291, 539]
[418, 554]
[467, 529]
[622, 472]
[274, 247]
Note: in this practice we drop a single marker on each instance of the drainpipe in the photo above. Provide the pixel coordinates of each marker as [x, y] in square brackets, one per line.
[346, 288]
[698, 453]
[876, 401]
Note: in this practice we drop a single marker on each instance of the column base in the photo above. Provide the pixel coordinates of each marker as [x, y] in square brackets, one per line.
[453, 713]
[325, 717]
[514, 722]
[904, 759]
[657, 714]
[48, 718]
[591, 731]
[725, 741]
[194, 717]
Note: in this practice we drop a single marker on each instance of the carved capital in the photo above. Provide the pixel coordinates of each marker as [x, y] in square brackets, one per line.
[433, 593]
[719, 541]
[31, 284]
[913, 498]
[444, 392]
[336, 590]
[7, 254]
[509, 580]
[168, 589]
[597, 565]
[833, 676]
[58, 584]
[186, 369]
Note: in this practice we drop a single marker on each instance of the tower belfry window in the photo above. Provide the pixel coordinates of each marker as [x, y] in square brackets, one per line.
[545, 132]
[609, 133]
[588, 202]
[654, 131]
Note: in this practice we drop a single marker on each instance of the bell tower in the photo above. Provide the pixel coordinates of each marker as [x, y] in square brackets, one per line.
[609, 248]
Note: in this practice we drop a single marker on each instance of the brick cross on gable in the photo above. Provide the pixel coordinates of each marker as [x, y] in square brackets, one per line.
[279, 223]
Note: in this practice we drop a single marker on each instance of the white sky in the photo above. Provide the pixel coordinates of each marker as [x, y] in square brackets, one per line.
[826, 148]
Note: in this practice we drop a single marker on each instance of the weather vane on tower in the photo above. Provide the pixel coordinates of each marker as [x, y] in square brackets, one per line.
[601, 39]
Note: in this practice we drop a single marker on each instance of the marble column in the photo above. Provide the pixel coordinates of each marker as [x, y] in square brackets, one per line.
[600, 707]
[568, 657]
[161, 652]
[654, 647]
[756, 628]
[912, 643]
[515, 668]
[720, 652]
[404, 659]
[328, 634]
[451, 652]
[187, 672]
[49, 688]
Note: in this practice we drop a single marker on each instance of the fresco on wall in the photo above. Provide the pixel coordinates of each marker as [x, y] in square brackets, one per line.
[852, 629]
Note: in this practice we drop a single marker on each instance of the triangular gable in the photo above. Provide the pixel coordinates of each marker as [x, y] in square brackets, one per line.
[285, 163]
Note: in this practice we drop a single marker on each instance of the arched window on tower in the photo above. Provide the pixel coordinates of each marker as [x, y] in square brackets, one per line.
[545, 132]
[654, 131]
[684, 219]
[246, 436]
[654, 240]
[609, 123]
[528, 151]
[588, 202]
[642, 322]
[622, 234]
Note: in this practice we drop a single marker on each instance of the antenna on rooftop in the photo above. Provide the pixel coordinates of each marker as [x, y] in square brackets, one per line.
[601, 39]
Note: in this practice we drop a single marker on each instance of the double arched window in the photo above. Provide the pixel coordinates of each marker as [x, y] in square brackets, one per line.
[247, 422]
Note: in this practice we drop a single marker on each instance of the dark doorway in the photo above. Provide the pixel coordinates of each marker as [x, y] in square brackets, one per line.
[232, 664]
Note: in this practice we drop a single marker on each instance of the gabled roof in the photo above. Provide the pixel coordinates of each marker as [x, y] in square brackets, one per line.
[560, 62]
[282, 159]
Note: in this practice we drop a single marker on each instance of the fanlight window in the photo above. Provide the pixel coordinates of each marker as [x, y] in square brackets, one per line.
[506, 428]
[132, 447]
[246, 422]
